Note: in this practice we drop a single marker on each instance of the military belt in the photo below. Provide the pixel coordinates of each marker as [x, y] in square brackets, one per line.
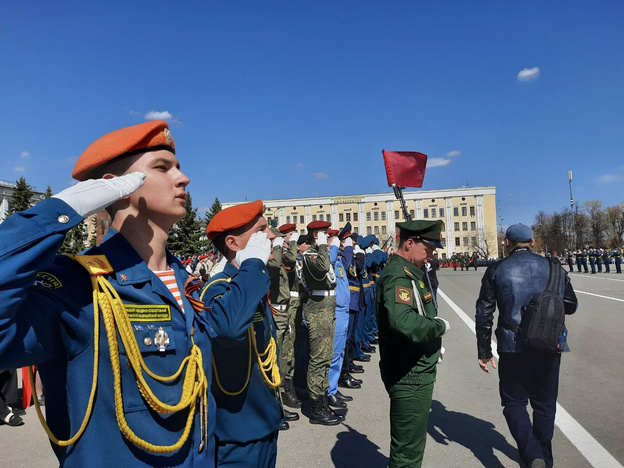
[320, 292]
[294, 294]
[280, 307]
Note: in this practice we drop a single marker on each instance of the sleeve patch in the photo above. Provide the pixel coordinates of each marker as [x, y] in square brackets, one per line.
[403, 295]
[427, 296]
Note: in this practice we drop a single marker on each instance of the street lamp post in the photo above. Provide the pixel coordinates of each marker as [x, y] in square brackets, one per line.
[572, 209]
[502, 238]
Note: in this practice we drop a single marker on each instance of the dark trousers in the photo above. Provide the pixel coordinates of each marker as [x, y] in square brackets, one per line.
[530, 377]
[8, 392]
[258, 453]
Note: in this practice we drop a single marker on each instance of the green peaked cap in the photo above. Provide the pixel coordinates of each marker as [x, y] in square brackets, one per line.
[427, 231]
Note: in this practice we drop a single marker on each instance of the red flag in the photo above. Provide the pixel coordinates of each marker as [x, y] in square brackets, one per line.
[405, 168]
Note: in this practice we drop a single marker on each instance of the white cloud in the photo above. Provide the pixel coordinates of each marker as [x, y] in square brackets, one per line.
[300, 164]
[158, 115]
[24, 154]
[435, 162]
[450, 154]
[320, 175]
[609, 178]
[19, 169]
[528, 74]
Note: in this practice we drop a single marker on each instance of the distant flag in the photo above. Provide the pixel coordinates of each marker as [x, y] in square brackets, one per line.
[405, 168]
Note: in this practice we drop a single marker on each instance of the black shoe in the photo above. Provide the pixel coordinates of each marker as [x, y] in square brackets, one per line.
[336, 402]
[290, 415]
[341, 417]
[285, 426]
[18, 411]
[342, 397]
[13, 419]
[320, 415]
[355, 369]
[362, 358]
[289, 397]
[353, 379]
[374, 341]
[348, 383]
[369, 349]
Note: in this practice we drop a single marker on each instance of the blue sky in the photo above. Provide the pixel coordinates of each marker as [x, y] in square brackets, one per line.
[279, 99]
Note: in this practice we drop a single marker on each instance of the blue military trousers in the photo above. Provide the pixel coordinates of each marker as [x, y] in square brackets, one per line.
[340, 340]
[530, 377]
[255, 454]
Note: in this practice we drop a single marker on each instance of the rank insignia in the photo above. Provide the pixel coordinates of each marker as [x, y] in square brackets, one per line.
[168, 136]
[421, 284]
[161, 339]
[96, 265]
[403, 295]
[427, 297]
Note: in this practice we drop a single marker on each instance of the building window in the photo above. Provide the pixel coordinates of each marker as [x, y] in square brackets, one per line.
[328, 218]
[412, 214]
[287, 219]
[368, 216]
[313, 217]
[472, 211]
[340, 218]
[377, 230]
[396, 214]
[302, 219]
[473, 226]
[369, 230]
[349, 216]
[457, 242]
[456, 226]
[465, 241]
[433, 213]
[464, 211]
[473, 241]
[441, 212]
[383, 230]
[376, 215]
[455, 211]
[355, 216]
[383, 215]
[443, 242]
[464, 226]
[425, 213]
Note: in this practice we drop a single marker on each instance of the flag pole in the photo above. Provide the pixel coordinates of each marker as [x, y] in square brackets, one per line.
[398, 193]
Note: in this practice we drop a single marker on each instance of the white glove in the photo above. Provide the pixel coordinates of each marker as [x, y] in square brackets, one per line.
[376, 247]
[348, 242]
[357, 249]
[294, 237]
[321, 238]
[93, 195]
[442, 351]
[369, 250]
[335, 242]
[278, 242]
[258, 246]
[448, 325]
[219, 266]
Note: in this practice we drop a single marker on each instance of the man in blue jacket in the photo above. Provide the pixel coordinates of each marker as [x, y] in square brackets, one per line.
[126, 377]
[525, 374]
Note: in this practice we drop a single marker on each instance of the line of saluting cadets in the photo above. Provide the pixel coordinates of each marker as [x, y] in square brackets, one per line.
[145, 366]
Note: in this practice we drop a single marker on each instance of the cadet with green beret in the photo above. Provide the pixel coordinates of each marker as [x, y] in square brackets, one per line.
[409, 339]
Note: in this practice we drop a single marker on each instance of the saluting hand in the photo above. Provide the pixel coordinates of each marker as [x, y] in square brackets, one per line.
[483, 364]
[258, 246]
[93, 195]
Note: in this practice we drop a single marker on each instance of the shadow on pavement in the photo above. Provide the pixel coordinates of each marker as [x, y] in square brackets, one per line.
[354, 450]
[477, 435]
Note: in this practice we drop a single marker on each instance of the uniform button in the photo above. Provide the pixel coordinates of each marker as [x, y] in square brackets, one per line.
[192, 331]
[64, 219]
[264, 271]
[148, 341]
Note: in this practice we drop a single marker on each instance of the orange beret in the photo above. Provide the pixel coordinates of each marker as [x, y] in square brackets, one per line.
[286, 228]
[233, 217]
[332, 232]
[319, 225]
[149, 136]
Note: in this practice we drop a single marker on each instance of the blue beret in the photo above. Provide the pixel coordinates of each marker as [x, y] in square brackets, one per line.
[519, 233]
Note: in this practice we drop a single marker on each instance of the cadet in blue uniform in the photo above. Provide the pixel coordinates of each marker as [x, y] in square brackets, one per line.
[246, 373]
[143, 335]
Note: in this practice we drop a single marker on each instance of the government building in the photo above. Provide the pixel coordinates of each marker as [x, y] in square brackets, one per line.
[468, 213]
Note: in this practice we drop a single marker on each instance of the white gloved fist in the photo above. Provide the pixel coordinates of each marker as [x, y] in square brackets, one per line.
[335, 242]
[348, 242]
[369, 250]
[93, 195]
[448, 325]
[278, 242]
[376, 247]
[258, 246]
[321, 238]
[442, 351]
[294, 237]
[357, 249]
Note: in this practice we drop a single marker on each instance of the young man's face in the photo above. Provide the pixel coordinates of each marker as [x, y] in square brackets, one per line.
[163, 194]
[420, 252]
[259, 225]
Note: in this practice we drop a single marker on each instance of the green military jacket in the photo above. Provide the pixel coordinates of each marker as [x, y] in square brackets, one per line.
[318, 271]
[280, 288]
[409, 335]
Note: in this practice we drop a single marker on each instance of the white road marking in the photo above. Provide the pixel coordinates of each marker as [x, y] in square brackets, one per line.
[598, 295]
[589, 447]
[596, 277]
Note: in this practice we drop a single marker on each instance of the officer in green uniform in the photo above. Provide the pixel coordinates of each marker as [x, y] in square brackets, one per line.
[409, 340]
[617, 255]
[606, 258]
[454, 259]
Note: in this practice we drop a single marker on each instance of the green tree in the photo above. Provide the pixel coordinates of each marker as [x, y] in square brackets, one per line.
[185, 235]
[93, 231]
[74, 240]
[48, 193]
[213, 210]
[21, 198]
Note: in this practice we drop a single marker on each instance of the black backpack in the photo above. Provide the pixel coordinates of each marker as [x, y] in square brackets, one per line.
[543, 318]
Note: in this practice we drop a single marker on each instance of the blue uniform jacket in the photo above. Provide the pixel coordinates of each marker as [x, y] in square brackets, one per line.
[341, 259]
[237, 299]
[46, 318]
[355, 282]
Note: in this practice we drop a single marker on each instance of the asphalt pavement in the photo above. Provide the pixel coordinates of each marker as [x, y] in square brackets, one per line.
[466, 425]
